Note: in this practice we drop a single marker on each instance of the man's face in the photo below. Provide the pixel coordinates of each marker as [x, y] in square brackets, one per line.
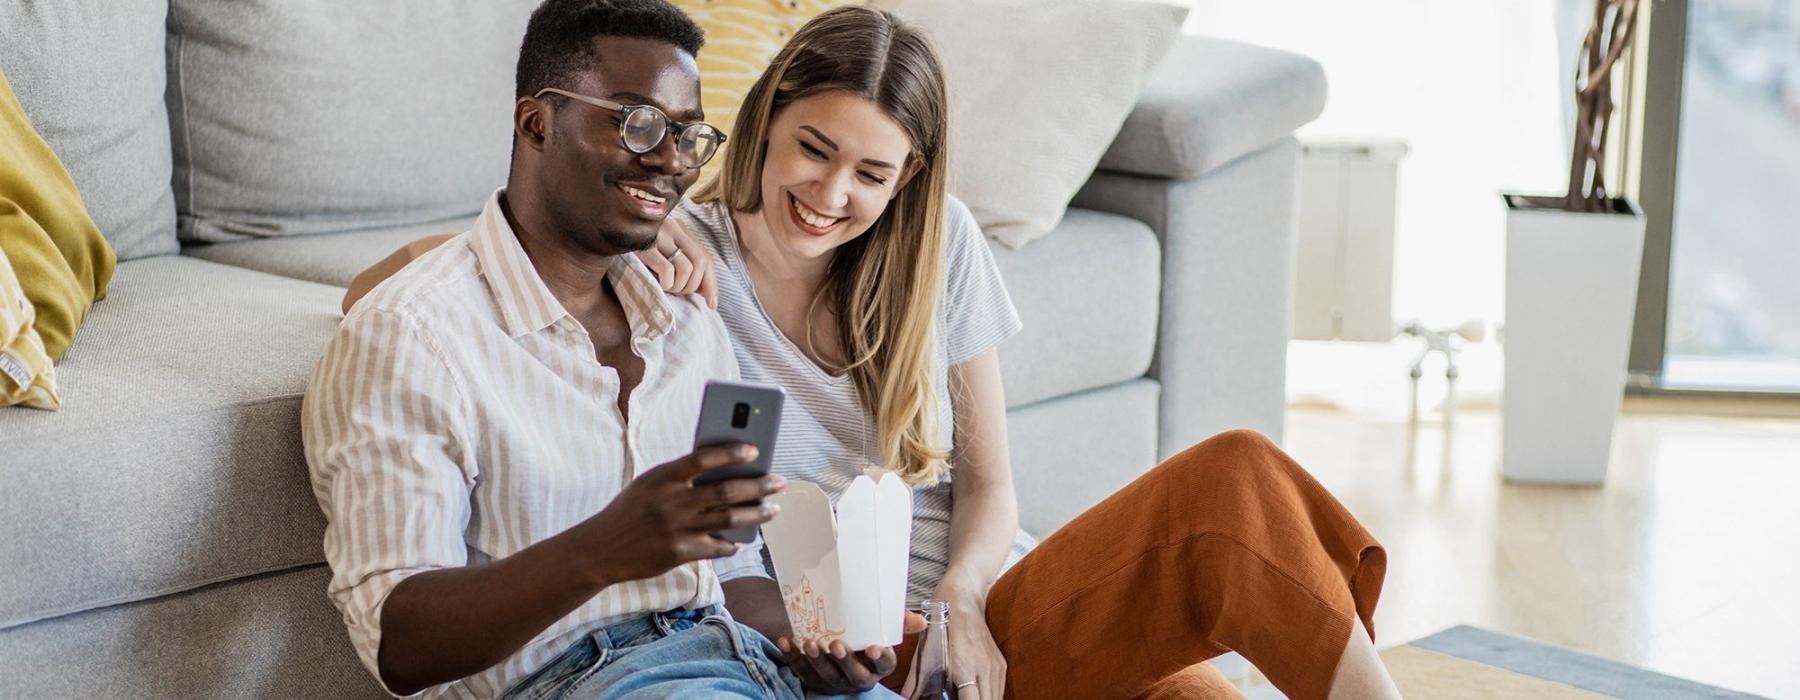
[588, 175]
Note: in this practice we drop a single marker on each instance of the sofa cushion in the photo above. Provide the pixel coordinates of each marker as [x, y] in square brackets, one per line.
[1088, 301]
[176, 459]
[274, 636]
[1213, 101]
[306, 117]
[1036, 91]
[327, 259]
[90, 76]
[59, 258]
[1071, 452]
[1088, 297]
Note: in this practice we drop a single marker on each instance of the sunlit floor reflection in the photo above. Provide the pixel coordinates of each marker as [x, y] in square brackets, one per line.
[1686, 562]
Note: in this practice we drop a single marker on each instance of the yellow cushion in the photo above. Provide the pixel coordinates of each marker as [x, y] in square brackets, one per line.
[741, 37]
[26, 377]
[61, 261]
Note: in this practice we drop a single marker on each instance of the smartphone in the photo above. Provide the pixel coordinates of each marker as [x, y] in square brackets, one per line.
[747, 413]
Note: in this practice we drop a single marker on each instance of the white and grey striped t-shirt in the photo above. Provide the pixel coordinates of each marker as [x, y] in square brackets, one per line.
[826, 435]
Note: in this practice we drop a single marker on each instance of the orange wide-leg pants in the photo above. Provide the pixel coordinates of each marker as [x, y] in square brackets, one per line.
[1228, 546]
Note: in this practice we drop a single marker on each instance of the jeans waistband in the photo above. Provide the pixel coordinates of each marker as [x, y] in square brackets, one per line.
[649, 628]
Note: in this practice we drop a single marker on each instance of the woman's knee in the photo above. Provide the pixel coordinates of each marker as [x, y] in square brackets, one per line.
[1229, 456]
[1197, 682]
[1243, 440]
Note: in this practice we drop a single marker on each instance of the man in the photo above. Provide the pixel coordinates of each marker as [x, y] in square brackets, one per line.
[482, 428]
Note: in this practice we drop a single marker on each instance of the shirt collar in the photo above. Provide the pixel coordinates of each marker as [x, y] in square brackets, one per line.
[525, 302]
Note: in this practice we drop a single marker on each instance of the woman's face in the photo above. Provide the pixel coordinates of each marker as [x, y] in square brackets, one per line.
[834, 161]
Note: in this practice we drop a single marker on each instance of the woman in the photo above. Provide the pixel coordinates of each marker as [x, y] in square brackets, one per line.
[846, 274]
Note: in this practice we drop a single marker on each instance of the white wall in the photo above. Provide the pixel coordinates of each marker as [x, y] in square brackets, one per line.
[1473, 87]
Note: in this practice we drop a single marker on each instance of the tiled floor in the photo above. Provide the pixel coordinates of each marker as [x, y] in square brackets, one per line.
[1687, 562]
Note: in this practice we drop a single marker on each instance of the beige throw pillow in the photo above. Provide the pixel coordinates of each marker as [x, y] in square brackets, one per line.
[1038, 90]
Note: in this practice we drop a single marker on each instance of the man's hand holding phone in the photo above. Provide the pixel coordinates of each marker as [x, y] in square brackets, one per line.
[663, 519]
[734, 413]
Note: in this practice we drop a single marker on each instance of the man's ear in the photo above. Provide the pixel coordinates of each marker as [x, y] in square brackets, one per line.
[531, 123]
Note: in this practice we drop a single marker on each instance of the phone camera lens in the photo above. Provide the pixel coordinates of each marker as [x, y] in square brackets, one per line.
[740, 416]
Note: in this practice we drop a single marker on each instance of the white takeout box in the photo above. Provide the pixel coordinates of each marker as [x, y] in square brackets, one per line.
[843, 576]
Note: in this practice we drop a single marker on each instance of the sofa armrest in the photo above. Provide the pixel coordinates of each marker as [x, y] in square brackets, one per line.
[1211, 102]
[1228, 240]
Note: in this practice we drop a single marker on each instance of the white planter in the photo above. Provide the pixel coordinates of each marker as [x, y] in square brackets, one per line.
[1571, 293]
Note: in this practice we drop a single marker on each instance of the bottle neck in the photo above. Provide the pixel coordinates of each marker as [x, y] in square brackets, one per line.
[936, 613]
[931, 663]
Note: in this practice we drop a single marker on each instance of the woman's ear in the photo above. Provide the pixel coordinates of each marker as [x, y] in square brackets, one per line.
[913, 166]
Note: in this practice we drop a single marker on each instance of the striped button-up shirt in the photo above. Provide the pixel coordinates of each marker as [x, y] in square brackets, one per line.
[460, 416]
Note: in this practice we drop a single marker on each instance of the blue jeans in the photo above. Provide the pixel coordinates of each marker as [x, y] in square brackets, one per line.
[676, 654]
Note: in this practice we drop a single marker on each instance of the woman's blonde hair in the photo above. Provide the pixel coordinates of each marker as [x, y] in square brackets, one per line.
[885, 284]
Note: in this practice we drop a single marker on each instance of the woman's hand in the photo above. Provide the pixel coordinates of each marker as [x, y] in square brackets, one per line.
[973, 654]
[681, 263]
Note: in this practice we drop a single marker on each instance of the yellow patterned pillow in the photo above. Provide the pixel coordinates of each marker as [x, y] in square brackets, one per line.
[26, 377]
[741, 37]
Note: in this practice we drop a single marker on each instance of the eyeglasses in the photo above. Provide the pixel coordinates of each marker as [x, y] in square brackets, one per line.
[642, 128]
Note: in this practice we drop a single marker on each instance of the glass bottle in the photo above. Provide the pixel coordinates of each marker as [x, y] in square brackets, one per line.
[930, 675]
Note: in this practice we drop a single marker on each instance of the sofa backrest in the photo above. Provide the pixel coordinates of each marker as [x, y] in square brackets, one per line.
[219, 120]
[317, 117]
[90, 74]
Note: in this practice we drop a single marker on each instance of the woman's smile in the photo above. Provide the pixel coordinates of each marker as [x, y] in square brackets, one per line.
[809, 220]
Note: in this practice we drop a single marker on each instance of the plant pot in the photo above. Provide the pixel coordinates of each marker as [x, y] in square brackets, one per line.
[1571, 294]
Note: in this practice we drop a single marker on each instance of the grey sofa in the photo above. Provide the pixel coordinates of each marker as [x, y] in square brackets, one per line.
[159, 536]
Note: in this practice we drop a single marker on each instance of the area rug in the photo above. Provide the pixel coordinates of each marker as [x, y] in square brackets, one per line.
[1469, 662]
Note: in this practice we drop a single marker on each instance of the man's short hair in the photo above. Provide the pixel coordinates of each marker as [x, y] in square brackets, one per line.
[559, 41]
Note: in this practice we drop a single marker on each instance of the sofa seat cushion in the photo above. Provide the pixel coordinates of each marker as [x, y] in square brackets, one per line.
[273, 636]
[332, 258]
[175, 461]
[1089, 298]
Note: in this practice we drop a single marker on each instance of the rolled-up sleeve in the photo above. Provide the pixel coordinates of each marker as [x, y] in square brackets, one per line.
[384, 429]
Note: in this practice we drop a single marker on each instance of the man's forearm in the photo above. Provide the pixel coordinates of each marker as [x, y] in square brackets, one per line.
[443, 625]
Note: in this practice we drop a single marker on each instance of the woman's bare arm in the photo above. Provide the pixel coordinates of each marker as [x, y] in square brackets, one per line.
[367, 279]
[985, 517]
[689, 273]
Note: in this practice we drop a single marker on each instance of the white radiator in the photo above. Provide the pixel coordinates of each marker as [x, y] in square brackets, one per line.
[1344, 282]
